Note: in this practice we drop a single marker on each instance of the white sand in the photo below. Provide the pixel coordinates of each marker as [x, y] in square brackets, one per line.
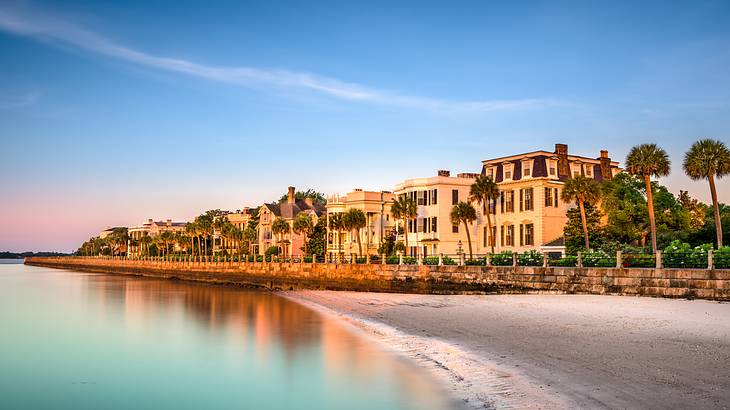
[553, 351]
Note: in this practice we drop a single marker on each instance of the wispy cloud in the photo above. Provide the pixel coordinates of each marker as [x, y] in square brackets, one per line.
[20, 101]
[42, 26]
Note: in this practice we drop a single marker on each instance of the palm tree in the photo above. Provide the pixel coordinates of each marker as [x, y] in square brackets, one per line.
[581, 190]
[191, 230]
[464, 212]
[648, 160]
[204, 224]
[280, 227]
[249, 235]
[707, 159]
[484, 191]
[145, 242]
[304, 226]
[355, 219]
[405, 208]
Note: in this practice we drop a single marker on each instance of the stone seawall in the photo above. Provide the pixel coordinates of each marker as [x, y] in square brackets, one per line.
[680, 283]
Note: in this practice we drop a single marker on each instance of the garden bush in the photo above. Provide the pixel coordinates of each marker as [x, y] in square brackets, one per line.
[392, 260]
[503, 258]
[598, 259]
[721, 258]
[409, 260]
[431, 260]
[530, 258]
[565, 261]
[476, 262]
[679, 254]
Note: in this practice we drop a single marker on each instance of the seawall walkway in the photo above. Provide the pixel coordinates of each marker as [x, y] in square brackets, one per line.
[446, 279]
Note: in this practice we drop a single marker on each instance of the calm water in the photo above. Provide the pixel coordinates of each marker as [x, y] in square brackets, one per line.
[71, 340]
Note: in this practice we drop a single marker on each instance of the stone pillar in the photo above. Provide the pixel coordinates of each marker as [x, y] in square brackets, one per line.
[580, 259]
[658, 258]
[441, 259]
[367, 259]
[544, 260]
[461, 259]
[514, 259]
[420, 259]
[489, 259]
[400, 259]
[619, 259]
[710, 260]
[382, 259]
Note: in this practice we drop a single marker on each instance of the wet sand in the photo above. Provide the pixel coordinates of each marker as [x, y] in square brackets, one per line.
[553, 351]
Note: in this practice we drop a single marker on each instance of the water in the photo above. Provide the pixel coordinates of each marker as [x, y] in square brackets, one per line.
[71, 340]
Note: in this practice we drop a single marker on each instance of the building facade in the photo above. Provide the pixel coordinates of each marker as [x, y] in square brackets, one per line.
[289, 244]
[378, 222]
[529, 213]
[151, 228]
[432, 232]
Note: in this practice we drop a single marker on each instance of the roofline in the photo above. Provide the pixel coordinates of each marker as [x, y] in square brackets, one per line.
[540, 152]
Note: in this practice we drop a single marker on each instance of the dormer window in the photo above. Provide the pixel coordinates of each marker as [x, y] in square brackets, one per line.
[589, 172]
[526, 172]
[490, 173]
[508, 172]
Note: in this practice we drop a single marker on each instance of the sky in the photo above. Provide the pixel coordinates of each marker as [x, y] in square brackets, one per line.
[115, 112]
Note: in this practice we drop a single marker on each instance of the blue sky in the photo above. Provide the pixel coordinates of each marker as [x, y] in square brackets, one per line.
[113, 112]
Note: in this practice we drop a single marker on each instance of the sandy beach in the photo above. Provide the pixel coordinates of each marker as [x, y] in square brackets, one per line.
[553, 351]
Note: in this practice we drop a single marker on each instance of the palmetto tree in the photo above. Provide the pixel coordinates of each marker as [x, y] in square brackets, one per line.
[405, 208]
[648, 160]
[484, 191]
[249, 235]
[304, 226]
[280, 227]
[191, 230]
[581, 190]
[204, 223]
[144, 243]
[464, 212]
[354, 219]
[707, 159]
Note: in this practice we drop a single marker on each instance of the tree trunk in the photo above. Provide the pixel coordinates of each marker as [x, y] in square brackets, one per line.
[650, 203]
[489, 226]
[359, 244]
[716, 209]
[584, 221]
[405, 234]
[468, 240]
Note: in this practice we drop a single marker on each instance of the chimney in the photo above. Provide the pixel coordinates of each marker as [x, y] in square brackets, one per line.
[443, 173]
[290, 197]
[246, 210]
[309, 201]
[149, 221]
[605, 165]
[169, 222]
[561, 151]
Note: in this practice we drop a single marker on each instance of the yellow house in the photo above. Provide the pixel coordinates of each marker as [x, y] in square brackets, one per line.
[432, 232]
[376, 206]
[529, 213]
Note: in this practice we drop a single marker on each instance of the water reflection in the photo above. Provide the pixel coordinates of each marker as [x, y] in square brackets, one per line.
[196, 346]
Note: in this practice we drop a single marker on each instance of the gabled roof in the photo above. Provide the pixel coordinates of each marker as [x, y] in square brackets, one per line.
[559, 241]
[289, 211]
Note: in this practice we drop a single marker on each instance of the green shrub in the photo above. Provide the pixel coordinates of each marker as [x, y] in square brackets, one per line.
[308, 259]
[361, 261]
[679, 254]
[598, 259]
[476, 262]
[409, 260]
[503, 258]
[638, 260]
[431, 260]
[392, 260]
[374, 259]
[530, 258]
[721, 258]
[272, 250]
[447, 261]
[565, 261]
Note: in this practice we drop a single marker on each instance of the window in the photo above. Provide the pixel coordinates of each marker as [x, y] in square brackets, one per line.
[526, 172]
[484, 240]
[507, 174]
[556, 197]
[510, 239]
[529, 235]
[501, 235]
[455, 228]
[522, 234]
[509, 201]
[454, 196]
[548, 197]
[434, 196]
[490, 173]
[552, 170]
[420, 198]
[434, 224]
[588, 171]
[528, 199]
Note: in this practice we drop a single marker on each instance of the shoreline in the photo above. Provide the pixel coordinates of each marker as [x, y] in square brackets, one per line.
[473, 380]
[551, 351]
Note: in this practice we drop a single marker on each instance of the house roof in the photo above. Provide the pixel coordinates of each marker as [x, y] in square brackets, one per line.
[559, 241]
[289, 211]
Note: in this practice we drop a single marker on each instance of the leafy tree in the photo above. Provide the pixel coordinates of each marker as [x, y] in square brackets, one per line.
[582, 190]
[405, 208]
[280, 227]
[317, 240]
[575, 230]
[707, 159]
[464, 212]
[249, 236]
[337, 224]
[485, 191]
[647, 161]
[387, 244]
[302, 195]
[694, 208]
[354, 220]
[304, 226]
